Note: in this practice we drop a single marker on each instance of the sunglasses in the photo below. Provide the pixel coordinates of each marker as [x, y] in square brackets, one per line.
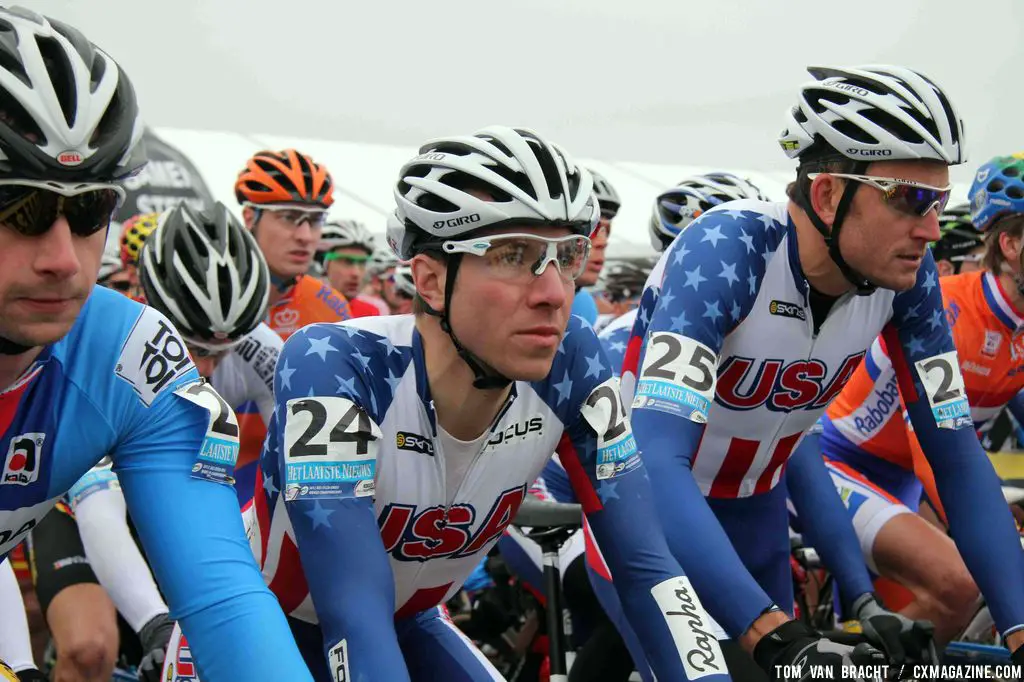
[521, 257]
[31, 208]
[294, 215]
[905, 196]
[121, 285]
[347, 257]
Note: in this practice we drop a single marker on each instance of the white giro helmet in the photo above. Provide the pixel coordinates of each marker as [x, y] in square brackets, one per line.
[381, 260]
[875, 113]
[676, 208]
[204, 271]
[68, 112]
[341, 233]
[528, 179]
[607, 197]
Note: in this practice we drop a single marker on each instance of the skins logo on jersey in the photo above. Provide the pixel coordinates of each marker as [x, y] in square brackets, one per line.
[778, 386]
[438, 531]
[152, 357]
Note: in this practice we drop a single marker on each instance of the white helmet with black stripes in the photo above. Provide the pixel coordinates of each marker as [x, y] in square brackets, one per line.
[497, 176]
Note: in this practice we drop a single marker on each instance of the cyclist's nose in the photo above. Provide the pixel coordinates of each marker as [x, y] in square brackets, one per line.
[548, 288]
[57, 255]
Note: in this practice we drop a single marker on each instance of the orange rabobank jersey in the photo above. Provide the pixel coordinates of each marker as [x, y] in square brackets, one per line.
[867, 417]
[309, 301]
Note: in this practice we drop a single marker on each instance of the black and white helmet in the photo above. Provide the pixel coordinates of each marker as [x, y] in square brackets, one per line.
[874, 113]
[607, 197]
[204, 271]
[67, 111]
[623, 280]
[528, 179]
[676, 208]
[341, 233]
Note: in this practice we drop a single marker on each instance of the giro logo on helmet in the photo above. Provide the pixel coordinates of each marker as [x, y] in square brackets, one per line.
[455, 222]
[869, 152]
[70, 158]
[852, 88]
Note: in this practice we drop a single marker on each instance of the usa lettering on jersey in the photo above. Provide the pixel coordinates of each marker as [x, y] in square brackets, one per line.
[330, 449]
[152, 356]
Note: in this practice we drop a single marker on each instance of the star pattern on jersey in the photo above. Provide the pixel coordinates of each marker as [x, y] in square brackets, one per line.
[694, 278]
[286, 372]
[564, 388]
[729, 273]
[712, 310]
[680, 252]
[667, 297]
[561, 346]
[606, 491]
[748, 240]
[391, 348]
[320, 515]
[714, 235]
[268, 484]
[363, 360]
[617, 346]
[320, 347]
[929, 282]
[346, 384]
[392, 380]
[911, 312]
[352, 332]
[594, 366]
[915, 346]
[935, 321]
[679, 322]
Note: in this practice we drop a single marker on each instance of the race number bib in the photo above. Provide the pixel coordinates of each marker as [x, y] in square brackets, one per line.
[677, 377]
[330, 449]
[616, 447]
[219, 452]
[944, 386]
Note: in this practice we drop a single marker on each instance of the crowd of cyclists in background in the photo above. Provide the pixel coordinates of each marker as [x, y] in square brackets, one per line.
[832, 390]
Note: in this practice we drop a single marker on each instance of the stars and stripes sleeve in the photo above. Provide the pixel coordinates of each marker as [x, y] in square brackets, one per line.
[599, 455]
[320, 454]
[712, 276]
[927, 368]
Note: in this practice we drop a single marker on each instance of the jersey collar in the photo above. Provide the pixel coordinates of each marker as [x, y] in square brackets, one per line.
[1000, 303]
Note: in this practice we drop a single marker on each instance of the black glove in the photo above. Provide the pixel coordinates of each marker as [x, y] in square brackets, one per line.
[795, 647]
[154, 637]
[898, 636]
[1017, 657]
[31, 675]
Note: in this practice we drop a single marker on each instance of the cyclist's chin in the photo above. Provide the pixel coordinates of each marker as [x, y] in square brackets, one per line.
[525, 365]
[38, 333]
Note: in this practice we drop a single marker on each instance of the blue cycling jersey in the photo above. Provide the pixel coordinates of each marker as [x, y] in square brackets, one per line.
[122, 383]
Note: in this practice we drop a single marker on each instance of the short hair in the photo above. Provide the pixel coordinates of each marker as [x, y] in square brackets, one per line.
[1012, 224]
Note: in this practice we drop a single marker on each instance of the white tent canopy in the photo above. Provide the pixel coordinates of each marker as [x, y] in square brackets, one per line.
[364, 175]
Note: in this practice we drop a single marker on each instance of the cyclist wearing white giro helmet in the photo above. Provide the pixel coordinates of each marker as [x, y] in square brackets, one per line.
[344, 250]
[765, 310]
[89, 373]
[414, 438]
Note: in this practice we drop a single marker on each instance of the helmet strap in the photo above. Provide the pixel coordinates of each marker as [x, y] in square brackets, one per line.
[485, 377]
[863, 287]
[8, 347]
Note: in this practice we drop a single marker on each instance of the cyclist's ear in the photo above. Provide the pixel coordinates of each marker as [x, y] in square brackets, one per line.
[429, 275]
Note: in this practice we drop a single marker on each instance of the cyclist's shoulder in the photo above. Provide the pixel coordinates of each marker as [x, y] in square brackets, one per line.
[580, 365]
[747, 227]
[119, 346]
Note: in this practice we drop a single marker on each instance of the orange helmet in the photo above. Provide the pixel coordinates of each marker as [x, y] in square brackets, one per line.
[133, 236]
[285, 177]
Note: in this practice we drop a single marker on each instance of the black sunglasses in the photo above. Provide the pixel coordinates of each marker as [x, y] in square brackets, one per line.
[31, 211]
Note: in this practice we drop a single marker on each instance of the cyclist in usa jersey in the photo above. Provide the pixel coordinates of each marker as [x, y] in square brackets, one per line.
[757, 316]
[674, 210]
[413, 439]
[285, 196]
[88, 373]
[876, 459]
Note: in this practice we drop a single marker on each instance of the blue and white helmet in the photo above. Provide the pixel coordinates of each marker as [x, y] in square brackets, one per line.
[676, 208]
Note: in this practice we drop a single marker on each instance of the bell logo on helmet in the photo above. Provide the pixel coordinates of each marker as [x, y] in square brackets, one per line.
[869, 152]
[70, 158]
[455, 222]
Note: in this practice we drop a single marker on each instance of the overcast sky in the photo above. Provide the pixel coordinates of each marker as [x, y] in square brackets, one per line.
[668, 81]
